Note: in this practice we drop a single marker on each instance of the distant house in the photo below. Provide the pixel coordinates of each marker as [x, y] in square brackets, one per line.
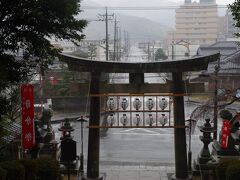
[229, 72]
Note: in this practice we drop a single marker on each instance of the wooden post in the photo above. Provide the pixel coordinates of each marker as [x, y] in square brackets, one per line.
[94, 134]
[179, 134]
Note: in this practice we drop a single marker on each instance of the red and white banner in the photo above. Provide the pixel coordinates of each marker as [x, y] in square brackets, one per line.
[28, 130]
[225, 134]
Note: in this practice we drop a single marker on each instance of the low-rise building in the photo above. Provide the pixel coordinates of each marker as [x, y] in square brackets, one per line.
[229, 65]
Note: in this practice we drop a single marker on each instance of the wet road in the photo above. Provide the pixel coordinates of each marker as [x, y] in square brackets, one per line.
[137, 146]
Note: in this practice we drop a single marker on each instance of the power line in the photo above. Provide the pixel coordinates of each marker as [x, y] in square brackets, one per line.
[152, 8]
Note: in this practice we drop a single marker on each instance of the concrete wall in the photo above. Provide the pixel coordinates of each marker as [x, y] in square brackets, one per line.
[73, 103]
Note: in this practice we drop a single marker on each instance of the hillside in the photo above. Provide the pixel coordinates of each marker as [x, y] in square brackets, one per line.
[139, 29]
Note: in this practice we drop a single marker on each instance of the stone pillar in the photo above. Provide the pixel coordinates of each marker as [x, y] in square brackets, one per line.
[179, 133]
[94, 134]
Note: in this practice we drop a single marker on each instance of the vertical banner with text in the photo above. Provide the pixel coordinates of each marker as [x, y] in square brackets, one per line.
[225, 134]
[28, 130]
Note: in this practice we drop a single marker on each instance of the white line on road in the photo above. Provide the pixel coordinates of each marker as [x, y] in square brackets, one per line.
[153, 134]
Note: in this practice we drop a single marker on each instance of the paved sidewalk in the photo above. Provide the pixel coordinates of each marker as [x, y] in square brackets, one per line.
[136, 172]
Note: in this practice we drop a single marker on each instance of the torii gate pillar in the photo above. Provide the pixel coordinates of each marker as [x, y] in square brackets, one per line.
[94, 134]
[179, 133]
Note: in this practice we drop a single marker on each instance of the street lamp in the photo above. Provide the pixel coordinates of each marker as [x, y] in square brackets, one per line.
[81, 169]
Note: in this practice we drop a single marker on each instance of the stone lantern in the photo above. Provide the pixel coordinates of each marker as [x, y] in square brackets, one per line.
[68, 155]
[204, 155]
[66, 130]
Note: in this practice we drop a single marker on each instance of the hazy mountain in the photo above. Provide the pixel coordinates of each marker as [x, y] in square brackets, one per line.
[138, 28]
[165, 17]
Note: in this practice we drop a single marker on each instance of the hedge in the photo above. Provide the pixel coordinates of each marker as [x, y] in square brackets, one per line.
[30, 166]
[233, 171]
[224, 164]
[30, 169]
[15, 170]
[3, 174]
[48, 168]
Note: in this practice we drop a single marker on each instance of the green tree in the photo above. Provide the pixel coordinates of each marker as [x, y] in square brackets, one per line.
[235, 9]
[25, 29]
[160, 55]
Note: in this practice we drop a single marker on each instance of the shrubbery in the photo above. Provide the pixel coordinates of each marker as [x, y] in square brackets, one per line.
[15, 170]
[228, 169]
[48, 168]
[30, 166]
[3, 174]
[233, 171]
[31, 169]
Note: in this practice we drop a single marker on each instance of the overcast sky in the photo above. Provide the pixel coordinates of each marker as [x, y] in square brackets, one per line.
[218, 1]
[164, 16]
[113, 2]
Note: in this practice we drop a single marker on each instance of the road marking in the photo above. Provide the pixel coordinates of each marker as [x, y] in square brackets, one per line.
[157, 134]
[134, 133]
[142, 129]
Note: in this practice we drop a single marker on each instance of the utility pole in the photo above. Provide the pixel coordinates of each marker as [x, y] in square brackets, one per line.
[107, 45]
[148, 50]
[115, 40]
[153, 52]
[120, 44]
[128, 43]
[117, 43]
[173, 50]
[106, 17]
[125, 41]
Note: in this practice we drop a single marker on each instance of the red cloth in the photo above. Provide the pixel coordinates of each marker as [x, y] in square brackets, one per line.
[225, 134]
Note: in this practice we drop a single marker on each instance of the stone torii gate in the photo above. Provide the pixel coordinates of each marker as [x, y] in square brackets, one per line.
[136, 84]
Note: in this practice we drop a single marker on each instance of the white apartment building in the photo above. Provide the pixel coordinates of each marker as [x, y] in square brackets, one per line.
[197, 23]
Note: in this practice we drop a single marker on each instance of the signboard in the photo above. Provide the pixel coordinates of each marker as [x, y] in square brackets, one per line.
[28, 133]
[225, 134]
